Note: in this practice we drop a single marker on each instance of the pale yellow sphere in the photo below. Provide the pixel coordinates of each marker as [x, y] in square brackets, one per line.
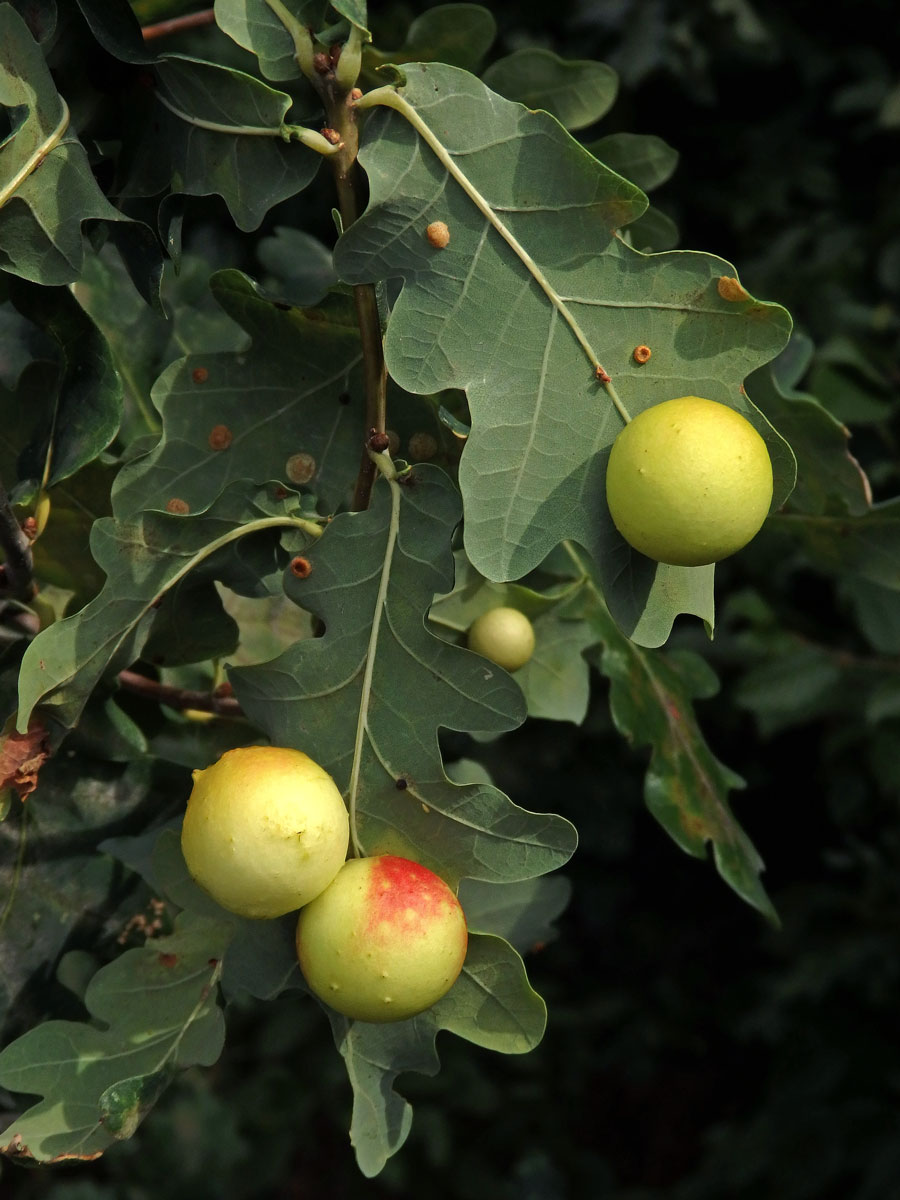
[265, 831]
[504, 635]
[689, 481]
[384, 941]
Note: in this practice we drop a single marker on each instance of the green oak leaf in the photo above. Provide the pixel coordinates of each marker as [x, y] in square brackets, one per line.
[50, 874]
[533, 220]
[47, 189]
[522, 913]
[491, 1004]
[646, 160]
[306, 362]
[209, 129]
[686, 787]
[367, 698]
[867, 545]
[255, 25]
[829, 479]
[143, 556]
[154, 1010]
[76, 419]
[458, 34]
[555, 681]
[576, 92]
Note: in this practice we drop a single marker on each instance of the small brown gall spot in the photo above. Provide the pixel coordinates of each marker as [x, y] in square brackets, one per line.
[178, 506]
[356, 94]
[223, 689]
[438, 235]
[378, 442]
[168, 960]
[331, 135]
[301, 567]
[321, 63]
[641, 354]
[401, 784]
[300, 468]
[422, 447]
[199, 374]
[220, 437]
[729, 289]
[601, 375]
[29, 528]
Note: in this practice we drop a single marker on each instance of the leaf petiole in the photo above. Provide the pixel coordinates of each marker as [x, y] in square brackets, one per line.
[308, 137]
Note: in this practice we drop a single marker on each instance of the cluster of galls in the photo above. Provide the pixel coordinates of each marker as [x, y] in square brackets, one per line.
[266, 832]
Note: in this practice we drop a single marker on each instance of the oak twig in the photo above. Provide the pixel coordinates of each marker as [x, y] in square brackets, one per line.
[180, 698]
[206, 16]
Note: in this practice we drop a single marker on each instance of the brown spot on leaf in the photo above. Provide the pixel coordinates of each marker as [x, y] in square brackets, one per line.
[220, 437]
[178, 506]
[168, 960]
[300, 467]
[199, 374]
[21, 757]
[730, 289]
[301, 567]
[641, 354]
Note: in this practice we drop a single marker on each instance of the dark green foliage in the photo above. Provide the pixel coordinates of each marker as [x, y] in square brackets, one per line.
[692, 1050]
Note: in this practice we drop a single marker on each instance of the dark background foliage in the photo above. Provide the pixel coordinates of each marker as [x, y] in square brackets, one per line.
[692, 1052]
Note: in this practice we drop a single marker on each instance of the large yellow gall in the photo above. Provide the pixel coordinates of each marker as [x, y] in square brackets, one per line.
[384, 941]
[689, 481]
[266, 830]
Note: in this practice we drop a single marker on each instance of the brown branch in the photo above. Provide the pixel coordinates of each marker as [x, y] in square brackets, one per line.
[340, 114]
[180, 698]
[17, 579]
[206, 16]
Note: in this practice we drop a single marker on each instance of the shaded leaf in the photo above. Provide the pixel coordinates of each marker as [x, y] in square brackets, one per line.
[829, 479]
[367, 698]
[47, 189]
[307, 363]
[867, 545]
[653, 232]
[458, 34]
[143, 557]
[491, 1004]
[686, 787]
[300, 263]
[643, 158]
[51, 878]
[521, 913]
[254, 25]
[533, 468]
[78, 418]
[216, 130]
[555, 681]
[154, 1010]
[576, 92]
